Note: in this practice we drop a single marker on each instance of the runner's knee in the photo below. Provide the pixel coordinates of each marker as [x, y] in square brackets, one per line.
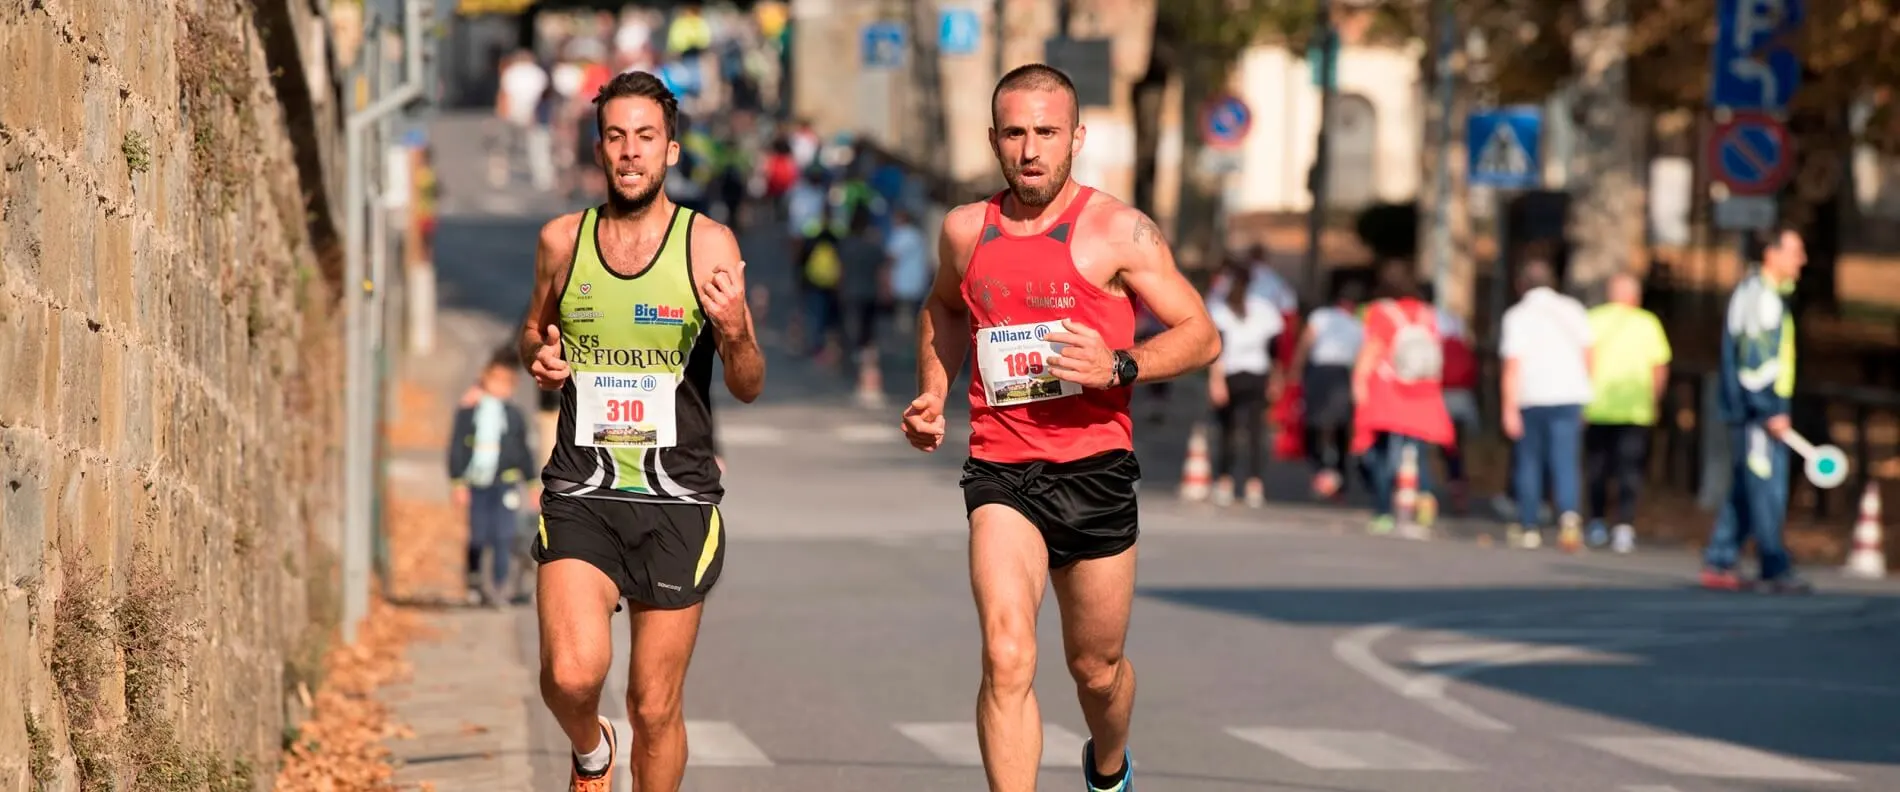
[1009, 657]
[574, 673]
[1096, 671]
[655, 708]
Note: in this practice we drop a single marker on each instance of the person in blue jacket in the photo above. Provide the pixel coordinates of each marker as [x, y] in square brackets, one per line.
[489, 465]
[1757, 385]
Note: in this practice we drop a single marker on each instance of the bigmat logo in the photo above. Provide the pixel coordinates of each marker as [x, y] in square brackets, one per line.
[644, 314]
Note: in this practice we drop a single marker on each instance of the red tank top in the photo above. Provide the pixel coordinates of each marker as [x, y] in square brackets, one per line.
[1018, 288]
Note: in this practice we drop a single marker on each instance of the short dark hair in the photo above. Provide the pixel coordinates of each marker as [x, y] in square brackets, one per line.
[505, 357]
[1537, 274]
[1036, 77]
[643, 85]
[1396, 280]
[1762, 240]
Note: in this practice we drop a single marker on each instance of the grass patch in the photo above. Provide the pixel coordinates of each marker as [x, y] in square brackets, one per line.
[144, 634]
[41, 768]
[215, 87]
[85, 655]
[138, 154]
[152, 636]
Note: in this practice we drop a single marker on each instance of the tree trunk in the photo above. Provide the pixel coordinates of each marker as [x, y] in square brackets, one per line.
[1150, 95]
[1446, 244]
[1605, 206]
[930, 128]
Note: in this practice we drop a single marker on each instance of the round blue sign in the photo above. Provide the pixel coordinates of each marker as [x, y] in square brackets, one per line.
[1225, 121]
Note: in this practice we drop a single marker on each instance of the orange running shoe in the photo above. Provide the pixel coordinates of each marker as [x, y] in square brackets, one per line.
[604, 781]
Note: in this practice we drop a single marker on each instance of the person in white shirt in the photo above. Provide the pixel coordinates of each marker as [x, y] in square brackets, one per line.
[518, 101]
[1238, 384]
[1322, 367]
[911, 267]
[1545, 347]
[1263, 281]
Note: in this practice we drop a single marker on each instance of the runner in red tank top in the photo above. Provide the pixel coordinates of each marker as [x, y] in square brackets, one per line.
[1041, 282]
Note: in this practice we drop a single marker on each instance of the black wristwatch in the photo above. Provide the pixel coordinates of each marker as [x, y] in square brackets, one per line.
[1125, 369]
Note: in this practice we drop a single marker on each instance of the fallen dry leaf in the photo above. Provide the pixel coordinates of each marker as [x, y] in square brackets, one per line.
[340, 746]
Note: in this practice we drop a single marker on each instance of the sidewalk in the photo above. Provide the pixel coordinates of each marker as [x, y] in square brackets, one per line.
[464, 709]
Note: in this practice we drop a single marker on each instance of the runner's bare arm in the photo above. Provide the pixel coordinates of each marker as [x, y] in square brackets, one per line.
[719, 278]
[943, 329]
[554, 254]
[1148, 269]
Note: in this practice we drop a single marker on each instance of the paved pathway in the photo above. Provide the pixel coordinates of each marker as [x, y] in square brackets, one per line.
[1278, 650]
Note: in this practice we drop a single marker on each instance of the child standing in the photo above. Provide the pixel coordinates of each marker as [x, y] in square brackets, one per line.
[488, 464]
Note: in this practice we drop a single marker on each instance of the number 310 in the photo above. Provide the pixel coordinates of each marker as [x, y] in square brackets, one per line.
[1024, 364]
[629, 410]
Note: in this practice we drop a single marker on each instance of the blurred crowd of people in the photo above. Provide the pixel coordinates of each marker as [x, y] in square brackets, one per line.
[1367, 384]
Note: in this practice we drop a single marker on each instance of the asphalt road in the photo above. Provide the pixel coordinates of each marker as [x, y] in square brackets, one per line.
[1280, 649]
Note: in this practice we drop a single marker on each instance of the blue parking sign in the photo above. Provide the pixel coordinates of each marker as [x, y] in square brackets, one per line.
[884, 44]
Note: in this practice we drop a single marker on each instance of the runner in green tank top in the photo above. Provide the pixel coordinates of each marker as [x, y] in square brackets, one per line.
[631, 301]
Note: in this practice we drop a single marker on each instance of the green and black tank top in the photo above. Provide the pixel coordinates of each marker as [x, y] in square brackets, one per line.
[635, 422]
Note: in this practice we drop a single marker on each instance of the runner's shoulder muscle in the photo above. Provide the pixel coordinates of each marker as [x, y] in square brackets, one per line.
[712, 244]
[961, 227]
[560, 237]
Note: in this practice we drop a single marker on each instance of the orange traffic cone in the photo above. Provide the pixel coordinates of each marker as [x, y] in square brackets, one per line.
[1405, 494]
[1196, 474]
[870, 379]
[1869, 557]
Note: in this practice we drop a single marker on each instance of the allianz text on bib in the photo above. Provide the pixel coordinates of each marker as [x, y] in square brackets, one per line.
[1013, 362]
[614, 410]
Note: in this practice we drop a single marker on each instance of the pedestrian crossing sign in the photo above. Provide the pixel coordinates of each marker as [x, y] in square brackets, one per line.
[1504, 146]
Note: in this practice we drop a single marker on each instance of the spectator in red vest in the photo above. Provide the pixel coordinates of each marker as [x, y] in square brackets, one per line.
[1398, 396]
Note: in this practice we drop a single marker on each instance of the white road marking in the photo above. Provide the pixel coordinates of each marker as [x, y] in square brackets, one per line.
[1327, 749]
[1709, 759]
[866, 434]
[956, 744]
[1497, 653]
[1355, 650]
[721, 744]
[750, 436]
[708, 744]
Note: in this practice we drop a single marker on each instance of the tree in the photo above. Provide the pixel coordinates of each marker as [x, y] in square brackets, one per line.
[1198, 42]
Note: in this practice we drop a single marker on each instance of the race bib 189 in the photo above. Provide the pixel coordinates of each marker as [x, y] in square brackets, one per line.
[1012, 362]
[624, 410]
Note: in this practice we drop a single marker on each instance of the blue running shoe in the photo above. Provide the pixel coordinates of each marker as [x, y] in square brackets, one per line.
[1125, 783]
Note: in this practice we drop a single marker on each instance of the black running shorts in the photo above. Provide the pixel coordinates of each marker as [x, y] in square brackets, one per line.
[1084, 509]
[663, 555]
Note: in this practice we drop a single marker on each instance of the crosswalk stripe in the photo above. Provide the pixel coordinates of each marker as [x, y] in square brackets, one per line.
[748, 436]
[1329, 749]
[955, 743]
[708, 744]
[1694, 756]
[866, 434]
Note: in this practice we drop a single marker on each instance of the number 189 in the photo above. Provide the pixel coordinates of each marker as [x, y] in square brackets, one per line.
[1024, 364]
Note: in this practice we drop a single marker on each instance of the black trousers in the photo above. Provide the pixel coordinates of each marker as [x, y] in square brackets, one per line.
[1243, 426]
[1618, 452]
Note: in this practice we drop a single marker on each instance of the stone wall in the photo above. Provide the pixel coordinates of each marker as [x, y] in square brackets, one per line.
[169, 396]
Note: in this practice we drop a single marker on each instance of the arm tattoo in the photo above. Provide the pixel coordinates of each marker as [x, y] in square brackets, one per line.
[1147, 231]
